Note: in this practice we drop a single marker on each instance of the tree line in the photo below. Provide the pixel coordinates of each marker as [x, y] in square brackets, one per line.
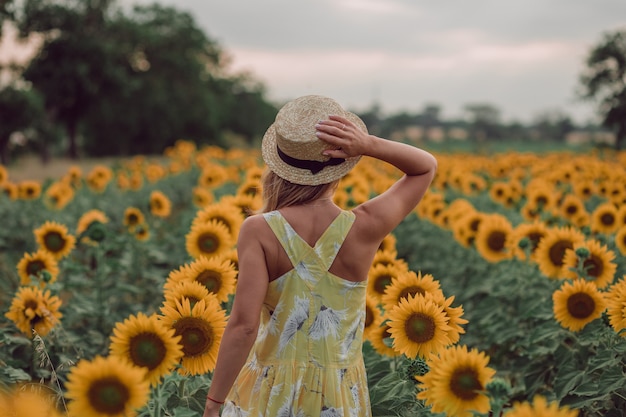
[109, 81]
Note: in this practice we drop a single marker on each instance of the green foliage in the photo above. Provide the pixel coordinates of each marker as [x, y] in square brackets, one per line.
[604, 79]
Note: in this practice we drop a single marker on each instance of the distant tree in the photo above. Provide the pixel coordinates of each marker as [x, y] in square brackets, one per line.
[19, 110]
[604, 80]
[552, 125]
[485, 121]
[372, 117]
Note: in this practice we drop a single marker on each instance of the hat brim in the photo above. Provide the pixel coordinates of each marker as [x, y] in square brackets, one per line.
[302, 176]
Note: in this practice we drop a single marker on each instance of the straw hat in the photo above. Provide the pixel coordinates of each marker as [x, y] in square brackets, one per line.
[291, 149]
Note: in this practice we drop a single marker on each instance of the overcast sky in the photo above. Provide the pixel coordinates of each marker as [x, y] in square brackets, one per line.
[521, 56]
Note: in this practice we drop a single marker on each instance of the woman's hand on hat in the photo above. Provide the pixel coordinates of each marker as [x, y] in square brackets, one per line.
[342, 133]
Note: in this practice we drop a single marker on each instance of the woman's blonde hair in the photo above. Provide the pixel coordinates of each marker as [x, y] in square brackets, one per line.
[278, 192]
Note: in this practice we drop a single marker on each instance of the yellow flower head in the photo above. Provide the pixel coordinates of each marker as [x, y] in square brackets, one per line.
[595, 260]
[418, 326]
[54, 238]
[491, 237]
[616, 306]
[160, 204]
[208, 239]
[108, 386]
[577, 304]
[146, 342]
[539, 408]
[201, 328]
[41, 265]
[456, 382]
[551, 249]
[34, 309]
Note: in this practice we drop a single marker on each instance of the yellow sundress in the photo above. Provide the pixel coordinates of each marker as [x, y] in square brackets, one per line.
[307, 359]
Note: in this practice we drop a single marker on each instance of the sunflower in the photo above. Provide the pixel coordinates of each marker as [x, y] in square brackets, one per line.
[542, 195]
[208, 239]
[250, 187]
[578, 303]
[379, 278]
[142, 232]
[109, 387]
[58, 195]
[201, 197]
[233, 257]
[406, 284]
[456, 381]
[453, 314]
[29, 190]
[584, 189]
[201, 329]
[40, 264]
[500, 193]
[604, 219]
[620, 240]
[528, 233]
[190, 290]
[10, 190]
[133, 217]
[74, 176]
[223, 213]
[212, 176]
[146, 342]
[4, 175]
[28, 400]
[34, 309]
[491, 237]
[551, 249]
[592, 261]
[389, 257]
[160, 204]
[216, 274]
[388, 243]
[539, 408]
[381, 341]
[530, 212]
[245, 203]
[98, 178]
[418, 326]
[616, 306]
[90, 217]
[465, 228]
[373, 317]
[155, 172]
[571, 208]
[54, 238]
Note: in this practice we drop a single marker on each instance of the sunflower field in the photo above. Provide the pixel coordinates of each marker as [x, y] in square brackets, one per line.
[502, 294]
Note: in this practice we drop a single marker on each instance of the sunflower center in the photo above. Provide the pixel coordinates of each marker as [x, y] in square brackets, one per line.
[557, 251]
[496, 240]
[108, 396]
[35, 267]
[54, 242]
[464, 384]
[212, 280]
[132, 219]
[420, 328]
[607, 219]
[410, 291]
[571, 209]
[196, 335]
[534, 239]
[594, 266]
[580, 305]
[147, 350]
[369, 316]
[208, 242]
[381, 283]
[474, 225]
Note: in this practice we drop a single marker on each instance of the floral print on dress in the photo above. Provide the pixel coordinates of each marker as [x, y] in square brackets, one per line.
[307, 358]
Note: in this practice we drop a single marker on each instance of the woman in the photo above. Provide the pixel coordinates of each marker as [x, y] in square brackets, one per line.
[293, 341]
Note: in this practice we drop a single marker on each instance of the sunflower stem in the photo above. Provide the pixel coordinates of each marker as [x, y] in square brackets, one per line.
[157, 397]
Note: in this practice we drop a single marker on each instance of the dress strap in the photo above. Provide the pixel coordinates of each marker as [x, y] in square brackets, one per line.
[298, 250]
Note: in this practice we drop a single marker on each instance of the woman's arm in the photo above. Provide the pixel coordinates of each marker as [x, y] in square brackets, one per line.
[388, 209]
[243, 323]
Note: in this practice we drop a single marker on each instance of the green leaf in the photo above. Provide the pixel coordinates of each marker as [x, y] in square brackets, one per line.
[184, 412]
[16, 375]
